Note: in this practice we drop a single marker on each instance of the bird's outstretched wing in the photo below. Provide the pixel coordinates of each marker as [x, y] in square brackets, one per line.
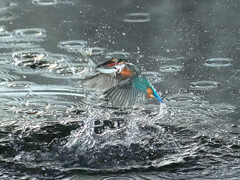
[101, 82]
[122, 95]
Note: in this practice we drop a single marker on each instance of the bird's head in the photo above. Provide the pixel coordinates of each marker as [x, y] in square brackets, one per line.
[151, 93]
[115, 61]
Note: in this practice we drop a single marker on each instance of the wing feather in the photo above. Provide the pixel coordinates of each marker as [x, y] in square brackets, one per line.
[122, 95]
[101, 82]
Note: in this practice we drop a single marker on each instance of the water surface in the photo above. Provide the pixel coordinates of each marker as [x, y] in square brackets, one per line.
[51, 127]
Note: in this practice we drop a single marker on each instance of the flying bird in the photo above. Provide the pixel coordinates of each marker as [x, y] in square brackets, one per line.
[122, 83]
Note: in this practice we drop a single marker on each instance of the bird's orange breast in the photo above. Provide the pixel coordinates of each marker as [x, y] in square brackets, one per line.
[126, 72]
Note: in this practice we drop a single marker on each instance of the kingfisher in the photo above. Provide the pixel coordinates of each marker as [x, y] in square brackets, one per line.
[122, 83]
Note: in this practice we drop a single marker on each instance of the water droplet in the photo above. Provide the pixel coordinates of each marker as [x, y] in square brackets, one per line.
[73, 45]
[204, 85]
[170, 68]
[137, 18]
[44, 2]
[218, 62]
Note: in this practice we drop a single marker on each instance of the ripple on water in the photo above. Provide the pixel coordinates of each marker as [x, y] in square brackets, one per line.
[166, 59]
[118, 178]
[31, 34]
[20, 84]
[44, 2]
[6, 36]
[7, 16]
[153, 77]
[21, 39]
[73, 45]
[170, 68]
[218, 62]
[33, 59]
[6, 4]
[66, 69]
[224, 108]
[95, 51]
[5, 79]
[204, 85]
[183, 98]
[117, 54]
[137, 18]
[42, 102]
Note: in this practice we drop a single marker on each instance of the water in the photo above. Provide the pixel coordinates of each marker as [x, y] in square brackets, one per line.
[51, 127]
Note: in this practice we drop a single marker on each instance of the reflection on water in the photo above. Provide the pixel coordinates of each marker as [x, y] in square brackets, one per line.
[51, 127]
